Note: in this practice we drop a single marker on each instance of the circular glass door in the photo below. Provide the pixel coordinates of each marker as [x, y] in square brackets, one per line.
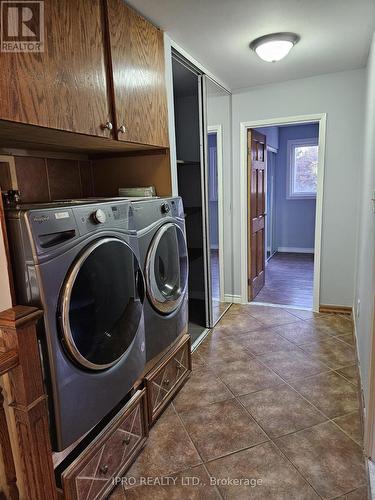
[167, 269]
[101, 304]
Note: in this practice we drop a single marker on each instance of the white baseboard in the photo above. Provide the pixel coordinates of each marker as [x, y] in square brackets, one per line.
[235, 299]
[295, 250]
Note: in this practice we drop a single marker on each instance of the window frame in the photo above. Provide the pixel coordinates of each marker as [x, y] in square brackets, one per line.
[292, 144]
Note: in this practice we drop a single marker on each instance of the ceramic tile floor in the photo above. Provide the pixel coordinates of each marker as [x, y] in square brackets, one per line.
[271, 411]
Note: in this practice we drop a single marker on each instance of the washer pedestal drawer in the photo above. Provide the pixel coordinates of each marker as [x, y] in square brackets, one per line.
[91, 474]
[163, 381]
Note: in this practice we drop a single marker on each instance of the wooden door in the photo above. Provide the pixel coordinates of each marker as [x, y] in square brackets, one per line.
[256, 163]
[137, 55]
[65, 86]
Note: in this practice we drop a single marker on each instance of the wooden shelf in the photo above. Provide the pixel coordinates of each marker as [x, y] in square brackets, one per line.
[32, 137]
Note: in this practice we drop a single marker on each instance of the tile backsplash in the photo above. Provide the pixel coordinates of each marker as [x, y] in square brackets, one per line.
[47, 179]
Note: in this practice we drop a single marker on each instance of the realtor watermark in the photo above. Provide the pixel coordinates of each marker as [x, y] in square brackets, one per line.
[191, 481]
[22, 26]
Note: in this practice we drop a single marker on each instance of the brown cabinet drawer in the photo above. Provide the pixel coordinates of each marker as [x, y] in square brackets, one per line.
[167, 377]
[90, 476]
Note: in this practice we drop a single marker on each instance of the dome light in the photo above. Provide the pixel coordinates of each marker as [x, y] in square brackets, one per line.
[274, 47]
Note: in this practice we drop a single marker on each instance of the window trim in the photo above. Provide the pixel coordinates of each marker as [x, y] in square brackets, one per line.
[290, 194]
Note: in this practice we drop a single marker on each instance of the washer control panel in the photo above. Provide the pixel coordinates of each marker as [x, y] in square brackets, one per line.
[99, 216]
[52, 226]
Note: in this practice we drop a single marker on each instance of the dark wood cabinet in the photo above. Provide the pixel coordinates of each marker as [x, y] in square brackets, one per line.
[101, 74]
[137, 59]
[111, 453]
[65, 86]
[163, 381]
[91, 475]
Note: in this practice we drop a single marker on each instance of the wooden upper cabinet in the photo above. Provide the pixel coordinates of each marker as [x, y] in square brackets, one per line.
[137, 56]
[64, 87]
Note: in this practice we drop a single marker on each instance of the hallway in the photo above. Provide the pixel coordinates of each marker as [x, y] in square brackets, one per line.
[278, 407]
[289, 280]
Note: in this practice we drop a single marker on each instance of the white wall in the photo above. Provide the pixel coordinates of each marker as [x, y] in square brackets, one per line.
[341, 96]
[365, 287]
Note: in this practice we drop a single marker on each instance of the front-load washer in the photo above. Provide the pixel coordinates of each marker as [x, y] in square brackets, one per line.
[161, 233]
[79, 262]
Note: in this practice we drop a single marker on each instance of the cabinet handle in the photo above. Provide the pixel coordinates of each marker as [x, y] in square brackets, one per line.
[107, 126]
[126, 440]
[103, 469]
[122, 129]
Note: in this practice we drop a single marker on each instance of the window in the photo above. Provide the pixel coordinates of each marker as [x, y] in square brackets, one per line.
[302, 168]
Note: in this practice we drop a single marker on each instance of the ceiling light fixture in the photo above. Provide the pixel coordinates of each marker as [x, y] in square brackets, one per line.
[274, 47]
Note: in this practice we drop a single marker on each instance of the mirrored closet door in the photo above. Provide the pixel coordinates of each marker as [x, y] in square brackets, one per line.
[202, 114]
[217, 183]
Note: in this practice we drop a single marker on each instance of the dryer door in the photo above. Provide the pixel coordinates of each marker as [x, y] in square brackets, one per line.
[167, 268]
[101, 304]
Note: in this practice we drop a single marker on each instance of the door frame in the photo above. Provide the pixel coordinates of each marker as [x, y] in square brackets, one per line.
[169, 46]
[270, 149]
[219, 163]
[321, 119]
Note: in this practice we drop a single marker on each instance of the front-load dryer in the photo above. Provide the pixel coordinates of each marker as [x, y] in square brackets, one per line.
[161, 233]
[80, 264]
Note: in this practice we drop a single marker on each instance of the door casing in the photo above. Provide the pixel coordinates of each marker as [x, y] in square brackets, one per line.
[321, 119]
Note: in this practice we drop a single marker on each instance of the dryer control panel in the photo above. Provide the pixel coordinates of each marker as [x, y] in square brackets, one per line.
[146, 212]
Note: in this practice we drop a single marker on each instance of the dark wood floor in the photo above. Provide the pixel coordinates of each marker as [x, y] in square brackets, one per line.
[289, 280]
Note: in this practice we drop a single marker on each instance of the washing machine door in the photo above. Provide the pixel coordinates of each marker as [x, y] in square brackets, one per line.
[167, 269]
[101, 304]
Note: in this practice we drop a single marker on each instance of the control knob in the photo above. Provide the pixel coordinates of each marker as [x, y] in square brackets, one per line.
[99, 216]
[165, 208]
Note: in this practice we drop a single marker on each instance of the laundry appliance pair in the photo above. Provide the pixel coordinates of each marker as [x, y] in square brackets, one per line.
[110, 276]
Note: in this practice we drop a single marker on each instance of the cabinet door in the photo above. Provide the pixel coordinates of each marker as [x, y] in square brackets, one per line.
[65, 86]
[137, 52]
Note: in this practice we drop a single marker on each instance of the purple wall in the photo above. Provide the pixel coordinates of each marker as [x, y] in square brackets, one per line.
[295, 219]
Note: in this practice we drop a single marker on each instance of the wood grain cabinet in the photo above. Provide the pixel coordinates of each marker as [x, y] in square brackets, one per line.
[90, 476]
[65, 86]
[167, 378]
[101, 73]
[137, 58]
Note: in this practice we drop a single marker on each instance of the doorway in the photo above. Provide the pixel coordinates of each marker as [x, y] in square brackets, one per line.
[202, 134]
[186, 93]
[282, 188]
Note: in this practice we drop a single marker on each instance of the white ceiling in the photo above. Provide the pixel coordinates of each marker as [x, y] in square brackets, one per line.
[335, 35]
